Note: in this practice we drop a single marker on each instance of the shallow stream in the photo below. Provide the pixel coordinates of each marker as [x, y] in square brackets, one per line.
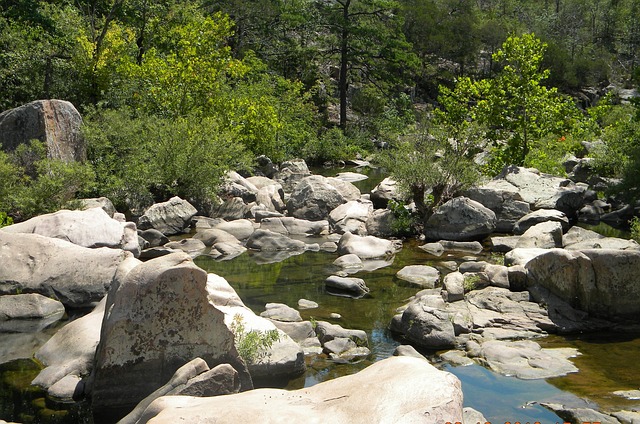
[608, 362]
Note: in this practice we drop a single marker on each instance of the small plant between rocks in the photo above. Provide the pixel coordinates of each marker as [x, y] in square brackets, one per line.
[252, 345]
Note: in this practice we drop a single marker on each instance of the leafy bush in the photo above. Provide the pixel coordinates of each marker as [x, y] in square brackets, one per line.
[5, 219]
[141, 159]
[32, 184]
[252, 345]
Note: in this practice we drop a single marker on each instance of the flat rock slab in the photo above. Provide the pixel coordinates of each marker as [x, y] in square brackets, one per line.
[281, 312]
[526, 359]
[420, 275]
[28, 312]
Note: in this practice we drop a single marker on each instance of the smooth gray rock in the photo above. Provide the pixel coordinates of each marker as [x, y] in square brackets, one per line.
[170, 217]
[211, 236]
[191, 246]
[419, 275]
[428, 327]
[315, 196]
[348, 286]
[504, 244]
[298, 331]
[504, 200]
[266, 240]
[192, 379]
[76, 276]
[137, 355]
[345, 350]
[382, 223]
[71, 351]
[307, 304]
[525, 359]
[544, 191]
[599, 281]
[545, 235]
[349, 261]
[88, 228]
[351, 217]
[231, 209]
[460, 219]
[154, 237]
[281, 312]
[367, 247]
[98, 202]
[327, 331]
[386, 190]
[538, 217]
[408, 350]
[406, 390]
[23, 313]
[293, 226]
[580, 415]
[453, 287]
[611, 243]
[435, 249]
[55, 122]
[239, 228]
[578, 234]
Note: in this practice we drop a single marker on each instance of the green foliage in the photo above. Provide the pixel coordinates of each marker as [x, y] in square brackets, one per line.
[32, 184]
[470, 282]
[619, 156]
[429, 160]
[142, 159]
[334, 146]
[5, 219]
[195, 74]
[252, 345]
[518, 109]
[404, 222]
[635, 228]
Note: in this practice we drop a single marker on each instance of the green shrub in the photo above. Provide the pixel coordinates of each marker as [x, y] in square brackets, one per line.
[635, 228]
[5, 220]
[252, 345]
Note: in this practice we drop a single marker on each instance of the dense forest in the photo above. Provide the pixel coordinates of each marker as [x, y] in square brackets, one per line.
[176, 93]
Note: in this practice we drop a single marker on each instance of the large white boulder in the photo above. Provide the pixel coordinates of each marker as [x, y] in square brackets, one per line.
[460, 219]
[315, 196]
[399, 389]
[88, 228]
[158, 319]
[170, 217]
[76, 276]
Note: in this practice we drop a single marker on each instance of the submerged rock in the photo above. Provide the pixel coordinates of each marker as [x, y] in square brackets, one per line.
[526, 359]
[22, 313]
[347, 286]
[419, 275]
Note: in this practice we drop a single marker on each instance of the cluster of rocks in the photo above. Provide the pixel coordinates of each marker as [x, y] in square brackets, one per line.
[161, 326]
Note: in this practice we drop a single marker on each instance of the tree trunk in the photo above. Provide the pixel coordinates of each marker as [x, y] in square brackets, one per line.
[343, 82]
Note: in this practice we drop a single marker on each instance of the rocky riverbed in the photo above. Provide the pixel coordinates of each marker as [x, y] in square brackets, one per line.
[162, 303]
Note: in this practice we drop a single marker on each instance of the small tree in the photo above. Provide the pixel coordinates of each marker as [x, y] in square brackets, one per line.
[517, 108]
[435, 161]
